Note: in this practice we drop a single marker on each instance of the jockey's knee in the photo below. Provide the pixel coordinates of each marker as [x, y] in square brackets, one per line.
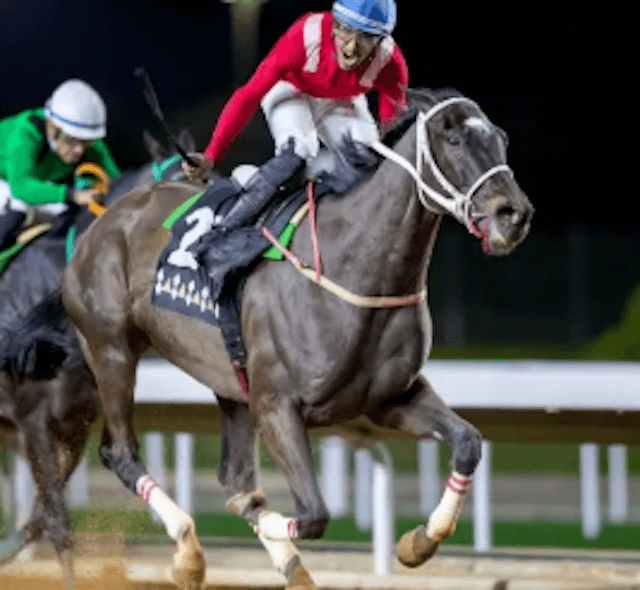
[365, 133]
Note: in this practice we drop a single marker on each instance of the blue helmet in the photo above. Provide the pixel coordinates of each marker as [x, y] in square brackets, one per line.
[376, 17]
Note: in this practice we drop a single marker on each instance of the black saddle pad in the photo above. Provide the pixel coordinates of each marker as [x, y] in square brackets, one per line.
[181, 283]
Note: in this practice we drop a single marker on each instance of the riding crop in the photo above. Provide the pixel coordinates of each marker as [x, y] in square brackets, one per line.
[152, 100]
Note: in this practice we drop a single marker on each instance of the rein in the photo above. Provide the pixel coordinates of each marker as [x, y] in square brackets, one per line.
[456, 203]
[317, 277]
[102, 183]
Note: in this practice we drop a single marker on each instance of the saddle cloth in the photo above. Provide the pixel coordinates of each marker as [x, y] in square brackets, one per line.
[183, 285]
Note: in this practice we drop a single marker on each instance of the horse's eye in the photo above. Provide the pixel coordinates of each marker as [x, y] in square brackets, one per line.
[453, 138]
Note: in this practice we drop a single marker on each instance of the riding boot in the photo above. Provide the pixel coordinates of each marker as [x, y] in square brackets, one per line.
[261, 187]
[256, 194]
[10, 225]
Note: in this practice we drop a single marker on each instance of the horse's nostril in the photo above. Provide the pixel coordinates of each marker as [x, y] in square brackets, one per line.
[508, 212]
[514, 216]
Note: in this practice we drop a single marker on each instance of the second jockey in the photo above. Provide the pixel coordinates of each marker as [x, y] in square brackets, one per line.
[39, 151]
[311, 87]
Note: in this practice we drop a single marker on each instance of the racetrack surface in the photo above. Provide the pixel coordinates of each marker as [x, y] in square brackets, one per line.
[102, 565]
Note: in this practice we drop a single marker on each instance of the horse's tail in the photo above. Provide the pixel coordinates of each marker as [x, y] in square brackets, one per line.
[36, 345]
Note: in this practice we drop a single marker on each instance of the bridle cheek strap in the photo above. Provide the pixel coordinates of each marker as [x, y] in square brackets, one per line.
[456, 203]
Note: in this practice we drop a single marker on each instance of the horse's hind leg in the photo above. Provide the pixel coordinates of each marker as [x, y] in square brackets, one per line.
[114, 370]
[422, 413]
[111, 347]
[237, 476]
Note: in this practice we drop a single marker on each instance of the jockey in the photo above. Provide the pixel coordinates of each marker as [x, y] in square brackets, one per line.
[39, 150]
[312, 87]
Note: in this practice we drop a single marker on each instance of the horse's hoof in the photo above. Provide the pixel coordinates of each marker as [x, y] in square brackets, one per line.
[68, 575]
[188, 573]
[414, 548]
[299, 578]
[10, 547]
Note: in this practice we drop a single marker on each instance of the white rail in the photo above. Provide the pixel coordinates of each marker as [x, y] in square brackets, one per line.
[550, 386]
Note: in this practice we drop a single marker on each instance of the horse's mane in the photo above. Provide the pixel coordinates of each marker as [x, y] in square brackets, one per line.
[417, 99]
[356, 163]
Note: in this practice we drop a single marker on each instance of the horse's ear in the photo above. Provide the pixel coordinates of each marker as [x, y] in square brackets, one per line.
[155, 149]
[504, 136]
[186, 141]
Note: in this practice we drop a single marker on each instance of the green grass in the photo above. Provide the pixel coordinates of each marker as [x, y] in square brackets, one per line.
[130, 522]
[505, 534]
[541, 534]
[507, 458]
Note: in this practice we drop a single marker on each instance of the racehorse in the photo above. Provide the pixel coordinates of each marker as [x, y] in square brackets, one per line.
[314, 357]
[48, 393]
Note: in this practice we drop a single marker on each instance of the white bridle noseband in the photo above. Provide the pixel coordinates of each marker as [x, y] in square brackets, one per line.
[456, 202]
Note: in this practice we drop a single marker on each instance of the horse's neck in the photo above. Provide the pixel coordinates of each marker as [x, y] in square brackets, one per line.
[393, 230]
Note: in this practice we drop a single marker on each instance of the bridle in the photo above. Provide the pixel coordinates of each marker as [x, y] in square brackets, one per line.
[455, 202]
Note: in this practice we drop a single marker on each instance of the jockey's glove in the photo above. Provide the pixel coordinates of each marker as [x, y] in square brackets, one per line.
[200, 172]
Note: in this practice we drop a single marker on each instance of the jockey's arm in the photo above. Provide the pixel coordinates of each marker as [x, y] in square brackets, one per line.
[23, 149]
[287, 54]
[391, 86]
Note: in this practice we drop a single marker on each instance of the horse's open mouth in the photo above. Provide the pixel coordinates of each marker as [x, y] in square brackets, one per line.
[480, 229]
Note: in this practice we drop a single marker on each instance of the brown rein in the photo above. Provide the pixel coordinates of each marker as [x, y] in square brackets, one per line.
[317, 277]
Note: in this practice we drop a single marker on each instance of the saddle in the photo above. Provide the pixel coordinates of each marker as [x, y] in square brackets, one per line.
[26, 236]
[182, 283]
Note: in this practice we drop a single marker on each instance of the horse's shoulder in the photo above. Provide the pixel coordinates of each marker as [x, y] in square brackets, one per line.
[181, 185]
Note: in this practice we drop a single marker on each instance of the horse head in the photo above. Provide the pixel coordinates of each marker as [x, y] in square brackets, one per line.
[461, 162]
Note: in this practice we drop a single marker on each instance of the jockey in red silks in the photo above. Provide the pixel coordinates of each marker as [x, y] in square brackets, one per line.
[312, 87]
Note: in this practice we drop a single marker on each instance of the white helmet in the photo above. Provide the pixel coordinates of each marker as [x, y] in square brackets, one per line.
[78, 110]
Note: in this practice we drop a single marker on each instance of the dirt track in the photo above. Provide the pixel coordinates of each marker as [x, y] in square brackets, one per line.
[234, 568]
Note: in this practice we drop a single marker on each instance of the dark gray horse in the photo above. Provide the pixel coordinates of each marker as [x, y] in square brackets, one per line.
[315, 357]
[47, 392]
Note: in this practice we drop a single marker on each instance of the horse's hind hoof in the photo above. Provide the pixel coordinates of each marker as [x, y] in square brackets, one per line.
[415, 547]
[188, 573]
[299, 578]
[10, 547]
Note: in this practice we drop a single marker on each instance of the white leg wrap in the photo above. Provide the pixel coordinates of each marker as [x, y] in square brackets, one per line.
[281, 552]
[175, 520]
[275, 527]
[444, 517]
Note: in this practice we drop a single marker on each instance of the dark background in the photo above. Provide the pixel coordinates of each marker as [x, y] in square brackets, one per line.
[537, 74]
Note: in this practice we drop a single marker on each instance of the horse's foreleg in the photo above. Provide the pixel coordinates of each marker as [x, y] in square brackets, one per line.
[422, 413]
[237, 476]
[114, 370]
[285, 435]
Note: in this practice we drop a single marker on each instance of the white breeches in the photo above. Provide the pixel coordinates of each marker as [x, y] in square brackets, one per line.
[9, 203]
[310, 120]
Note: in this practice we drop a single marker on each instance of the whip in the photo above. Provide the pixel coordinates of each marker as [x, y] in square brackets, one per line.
[152, 100]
